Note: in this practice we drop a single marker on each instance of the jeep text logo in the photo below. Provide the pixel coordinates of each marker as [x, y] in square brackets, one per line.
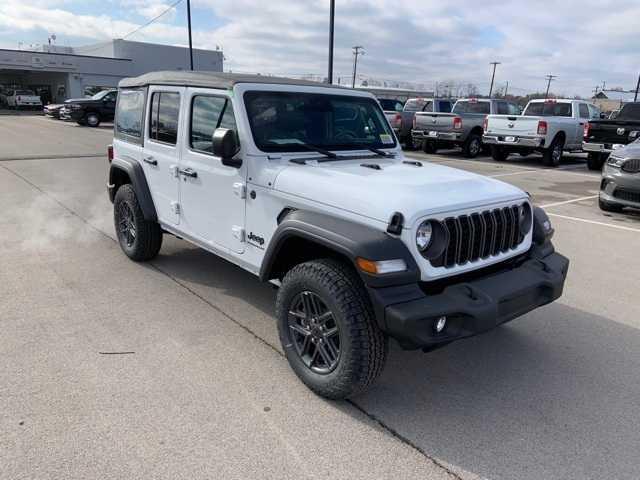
[255, 239]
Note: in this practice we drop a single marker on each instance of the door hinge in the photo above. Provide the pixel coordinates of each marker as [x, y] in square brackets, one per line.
[175, 208]
[238, 233]
[240, 189]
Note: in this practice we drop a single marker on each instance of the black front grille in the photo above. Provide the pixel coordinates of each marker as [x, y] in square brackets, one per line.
[628, 195]
[480, 235]
[631, 166]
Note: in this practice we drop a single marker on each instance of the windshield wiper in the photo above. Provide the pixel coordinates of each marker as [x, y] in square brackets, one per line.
[377, 151]
[308, 146]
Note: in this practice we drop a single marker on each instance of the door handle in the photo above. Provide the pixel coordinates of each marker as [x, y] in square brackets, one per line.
[150, 161]
[188, 172]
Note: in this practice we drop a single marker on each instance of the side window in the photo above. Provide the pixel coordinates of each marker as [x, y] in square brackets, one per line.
[207, 114]
[165, 110]
[502, 108]
[584, 110]
[129, 113]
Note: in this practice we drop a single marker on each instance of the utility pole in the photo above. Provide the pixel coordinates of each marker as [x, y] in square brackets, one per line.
[493, 76]
[190, 42]
[357, 50]
[332, 17]
[635, 98]
[549, 78]
[506, 89]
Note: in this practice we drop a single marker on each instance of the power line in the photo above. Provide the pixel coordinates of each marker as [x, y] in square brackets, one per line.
[172, 6]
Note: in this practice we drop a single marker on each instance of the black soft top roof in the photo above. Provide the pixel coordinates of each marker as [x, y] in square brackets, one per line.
[212, 80]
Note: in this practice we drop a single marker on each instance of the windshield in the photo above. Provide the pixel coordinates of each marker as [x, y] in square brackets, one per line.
[631, 111]
[101, 94]
[286, 121]
[549, 109]
[466, 106]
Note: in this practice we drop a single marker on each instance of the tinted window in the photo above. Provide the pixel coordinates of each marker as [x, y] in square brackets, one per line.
[165, 109]
[445, 107]
[207, 114]
[506, 108]
[414, 105]
[130, 112]
[24, 92]
[549, 109]
[631, 111]
[584, 110]
[428, 106]
[466, 106]
[391, 105]
[285, 122]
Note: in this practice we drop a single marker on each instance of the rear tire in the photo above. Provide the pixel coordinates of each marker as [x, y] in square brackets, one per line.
[429, 147]
[609, 207]
[595, 161]
[328, 330]
[499, 154]
[92, 119]
[472, 146]
[139, 239]
[552, 156]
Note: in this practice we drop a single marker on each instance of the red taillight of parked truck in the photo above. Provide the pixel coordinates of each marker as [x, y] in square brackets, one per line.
[457, 123]
[485, 124]
[542, 127]
[587, 130]
[110, 153]
[397, 120]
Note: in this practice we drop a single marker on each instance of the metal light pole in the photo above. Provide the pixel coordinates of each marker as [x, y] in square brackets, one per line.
[357, 50]
[190, 42]
[332, 17]
[549, 79]
[493, 76]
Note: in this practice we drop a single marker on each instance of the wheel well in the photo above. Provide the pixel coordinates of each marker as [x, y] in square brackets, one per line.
[476, 131]
[118, 177]
[561, 135]
[297, 250]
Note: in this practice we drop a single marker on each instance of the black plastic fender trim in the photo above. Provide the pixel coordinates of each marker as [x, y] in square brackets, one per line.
[139, 183]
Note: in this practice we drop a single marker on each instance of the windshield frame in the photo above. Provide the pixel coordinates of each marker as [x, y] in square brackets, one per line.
[293, 147]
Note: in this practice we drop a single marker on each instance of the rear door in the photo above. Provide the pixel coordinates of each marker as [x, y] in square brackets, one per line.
[162, 146]
[213, 196]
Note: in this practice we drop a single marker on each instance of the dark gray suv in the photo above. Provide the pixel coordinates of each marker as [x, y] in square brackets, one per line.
[620, 186]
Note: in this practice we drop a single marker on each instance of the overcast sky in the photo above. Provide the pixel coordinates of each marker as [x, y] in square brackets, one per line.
[583, 42]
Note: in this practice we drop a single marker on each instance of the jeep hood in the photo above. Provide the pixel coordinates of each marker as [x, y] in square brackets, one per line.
[397, 187]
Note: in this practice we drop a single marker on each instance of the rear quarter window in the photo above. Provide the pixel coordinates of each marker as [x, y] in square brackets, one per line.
[130, 115]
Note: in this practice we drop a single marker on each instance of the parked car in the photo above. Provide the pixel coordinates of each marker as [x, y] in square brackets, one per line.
[53, 110]
[601, 137]
[463, 127]
[404, 123]
[91, 111]
[22, 98]
[393, 111]
[305, 186]
[620, 186]
[550, 126]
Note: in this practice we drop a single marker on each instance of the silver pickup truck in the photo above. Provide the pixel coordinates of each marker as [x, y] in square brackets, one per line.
[549, 126]
[463, 127]
[403, 123]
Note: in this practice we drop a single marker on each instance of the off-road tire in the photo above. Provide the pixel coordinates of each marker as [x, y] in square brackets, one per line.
[363, 346]
[472, 146]
[595, 161]
[148, 234]
[550, 156]
[499, 154]
[92, 119]
[609, 207]
[430, 147]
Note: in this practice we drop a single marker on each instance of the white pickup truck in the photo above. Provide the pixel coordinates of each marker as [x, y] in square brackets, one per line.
[23, 99]
[549, 126]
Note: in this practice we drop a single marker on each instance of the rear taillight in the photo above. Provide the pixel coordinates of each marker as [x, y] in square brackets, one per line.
[485, 124]
[397, 120]
[587, 130]
[457, 123]
[414, 122]
[110, 153]
[542, 127]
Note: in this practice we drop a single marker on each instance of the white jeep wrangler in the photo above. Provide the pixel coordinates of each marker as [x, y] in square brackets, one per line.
[305, 186]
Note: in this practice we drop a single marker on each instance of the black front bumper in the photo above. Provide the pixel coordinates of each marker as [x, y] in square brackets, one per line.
[473, 306]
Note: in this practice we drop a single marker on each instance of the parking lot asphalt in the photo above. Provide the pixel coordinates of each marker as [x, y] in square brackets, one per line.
[206, 392]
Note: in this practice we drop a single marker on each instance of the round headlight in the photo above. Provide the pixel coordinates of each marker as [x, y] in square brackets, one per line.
[423, 235]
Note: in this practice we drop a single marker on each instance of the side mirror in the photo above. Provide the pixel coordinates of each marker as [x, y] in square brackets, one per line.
[603, 116]
[225, 146]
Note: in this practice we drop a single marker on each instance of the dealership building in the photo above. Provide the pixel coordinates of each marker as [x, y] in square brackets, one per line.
[58, 73]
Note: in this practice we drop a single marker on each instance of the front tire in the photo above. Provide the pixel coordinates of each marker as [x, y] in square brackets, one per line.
[595, 161]
[139, 239]
[328, 330]
[92, 119]
[472, 146]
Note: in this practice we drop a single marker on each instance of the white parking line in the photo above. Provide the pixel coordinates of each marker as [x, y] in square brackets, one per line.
[511, 173]
[593, 222]
[569, 201]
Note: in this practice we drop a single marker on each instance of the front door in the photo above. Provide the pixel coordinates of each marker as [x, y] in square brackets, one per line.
[108, 106]
[212, 195]
[162, 146]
